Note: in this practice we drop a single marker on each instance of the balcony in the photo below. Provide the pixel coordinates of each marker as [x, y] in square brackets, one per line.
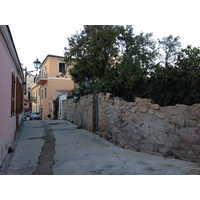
[41, 80]
[33, 99]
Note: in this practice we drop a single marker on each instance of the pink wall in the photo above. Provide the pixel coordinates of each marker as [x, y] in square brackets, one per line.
[7, 123]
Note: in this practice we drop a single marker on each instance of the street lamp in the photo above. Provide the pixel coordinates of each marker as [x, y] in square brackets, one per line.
[36, 64]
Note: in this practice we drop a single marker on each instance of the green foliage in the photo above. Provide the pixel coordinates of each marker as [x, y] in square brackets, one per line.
[86, 87]
[111, 58]
[114, 59]
[169, 48]
[178, 83]
[89, 51]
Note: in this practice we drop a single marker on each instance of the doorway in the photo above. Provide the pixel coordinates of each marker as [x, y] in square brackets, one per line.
[41, 113]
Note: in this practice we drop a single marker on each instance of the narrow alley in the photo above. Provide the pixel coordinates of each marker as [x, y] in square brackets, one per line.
[58, 147]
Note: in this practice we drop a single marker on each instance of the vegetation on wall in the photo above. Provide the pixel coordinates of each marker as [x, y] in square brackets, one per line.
[114, 59]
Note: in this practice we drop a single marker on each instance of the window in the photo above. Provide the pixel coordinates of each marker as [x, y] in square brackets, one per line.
[45, 93]
[61, 67]
[49, 108]
[33, 92]
[42, 94]
[12, 95]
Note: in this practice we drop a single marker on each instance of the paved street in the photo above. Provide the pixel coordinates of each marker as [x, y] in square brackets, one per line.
[59, 147]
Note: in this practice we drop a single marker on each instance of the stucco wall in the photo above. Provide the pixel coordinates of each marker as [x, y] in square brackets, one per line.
[172, 131]
[53, 84]
[7, 122]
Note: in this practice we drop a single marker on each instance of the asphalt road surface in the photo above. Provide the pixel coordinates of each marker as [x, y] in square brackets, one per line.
[58, 147]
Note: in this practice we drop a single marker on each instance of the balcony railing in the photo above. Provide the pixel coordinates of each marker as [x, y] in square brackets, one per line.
[41, 80]
[33, 99]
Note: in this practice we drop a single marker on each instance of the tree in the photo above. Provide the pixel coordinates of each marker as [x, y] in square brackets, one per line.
[160, 85]
[112, 58]
[127, 78]
[169, 48]
[178, 83]
[90, 51]
[188, 75]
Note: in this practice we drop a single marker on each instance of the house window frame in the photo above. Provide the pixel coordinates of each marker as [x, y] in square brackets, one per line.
[59, 67]
[13, 85]
[45, 93]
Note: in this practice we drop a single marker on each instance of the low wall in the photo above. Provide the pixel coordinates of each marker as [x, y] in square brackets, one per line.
[79, 113]
[141, 125]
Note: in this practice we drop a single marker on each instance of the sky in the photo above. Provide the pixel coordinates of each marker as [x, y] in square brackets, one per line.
[42, 27]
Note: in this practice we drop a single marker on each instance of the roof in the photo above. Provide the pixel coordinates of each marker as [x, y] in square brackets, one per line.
[53, 56]
[11, 46]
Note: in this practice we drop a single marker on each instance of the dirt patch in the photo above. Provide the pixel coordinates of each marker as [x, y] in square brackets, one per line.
[45, 160]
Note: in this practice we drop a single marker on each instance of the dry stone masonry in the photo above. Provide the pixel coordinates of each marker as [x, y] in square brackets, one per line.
[141, 125]
[79, 113]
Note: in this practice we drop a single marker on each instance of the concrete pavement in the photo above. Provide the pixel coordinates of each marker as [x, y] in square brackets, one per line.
[60, 148]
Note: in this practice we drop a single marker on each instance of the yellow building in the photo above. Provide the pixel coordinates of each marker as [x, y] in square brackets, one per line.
[52, 82]
[27, 95]
[36, 97]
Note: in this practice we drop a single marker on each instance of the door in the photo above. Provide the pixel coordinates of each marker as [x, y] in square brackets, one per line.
[41, 113]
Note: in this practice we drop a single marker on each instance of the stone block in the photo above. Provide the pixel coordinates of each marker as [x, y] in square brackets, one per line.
[102, 98]
[109, 95]
[127, 114]
[144, 108]
[177, 119]
[151, 111]
[182, 108]
[116, 101]
[197, 130]
[198, 112]
[160, 115]
[121, 103]
[132, 110]
[137, 99]
[187, 139]
[191, 122]
[123, 122]
[147, 101]
[174, 111]
[155, 106]
[144, 101]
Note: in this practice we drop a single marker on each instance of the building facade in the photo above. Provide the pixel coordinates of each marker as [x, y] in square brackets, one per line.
[53, 81]
[11, 91]
[27, 93]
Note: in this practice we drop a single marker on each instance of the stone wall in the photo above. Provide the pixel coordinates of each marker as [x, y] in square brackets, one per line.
[143, 126]
[79, 113]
